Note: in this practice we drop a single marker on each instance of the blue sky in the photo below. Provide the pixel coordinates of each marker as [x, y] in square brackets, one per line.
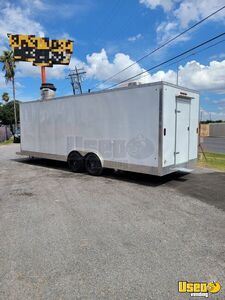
[110, 35]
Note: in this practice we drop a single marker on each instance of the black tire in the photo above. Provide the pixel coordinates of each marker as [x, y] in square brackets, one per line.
[76, 162]
[93, 164]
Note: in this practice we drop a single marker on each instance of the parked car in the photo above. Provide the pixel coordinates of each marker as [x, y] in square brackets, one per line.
[16, 138]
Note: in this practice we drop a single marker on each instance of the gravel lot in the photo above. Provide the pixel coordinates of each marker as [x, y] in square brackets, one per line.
[119, 236]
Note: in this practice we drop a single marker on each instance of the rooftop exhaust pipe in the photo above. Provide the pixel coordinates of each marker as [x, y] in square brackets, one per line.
[47, 91]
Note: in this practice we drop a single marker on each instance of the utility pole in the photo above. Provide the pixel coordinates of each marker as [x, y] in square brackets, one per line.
[177, 72]
[14, 103]
[76, 77]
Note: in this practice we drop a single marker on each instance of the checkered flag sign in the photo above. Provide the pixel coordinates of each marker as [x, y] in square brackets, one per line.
[41, 51]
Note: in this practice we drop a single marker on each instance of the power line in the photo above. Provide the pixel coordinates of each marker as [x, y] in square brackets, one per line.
[194, 53]
[168, 60]
[179, 55]
[160, 47]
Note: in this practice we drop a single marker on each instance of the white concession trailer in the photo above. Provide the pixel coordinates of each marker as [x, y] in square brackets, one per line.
[149, 128]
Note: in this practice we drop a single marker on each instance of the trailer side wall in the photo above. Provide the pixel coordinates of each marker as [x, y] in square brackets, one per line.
[121, 125]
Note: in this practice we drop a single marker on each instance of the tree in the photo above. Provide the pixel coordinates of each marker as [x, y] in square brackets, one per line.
[5, 97]
[7, 59]
[7, 116]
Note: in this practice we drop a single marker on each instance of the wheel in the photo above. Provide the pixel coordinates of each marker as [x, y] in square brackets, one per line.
[93, 164]
[76, 162]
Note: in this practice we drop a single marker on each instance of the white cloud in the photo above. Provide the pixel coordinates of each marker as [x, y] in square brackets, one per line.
[35, 4]
[67, 9]
[135, 37]
[14, 19]
[21, 20]
[217, 115]
[152, 4]
[169, 76]
[181, 14]
[2, 81]
[7, 87]
[56, 72]
[197, 76]
[99, 67]
[221, 102]
[194, 75]
[26, 69]
[74, 62]
[217, 56]
[192, 10]
[167, 30]
[220, 105]
[211, 115]
[203, 77]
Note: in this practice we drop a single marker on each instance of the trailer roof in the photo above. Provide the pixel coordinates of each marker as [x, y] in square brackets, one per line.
[117, 89]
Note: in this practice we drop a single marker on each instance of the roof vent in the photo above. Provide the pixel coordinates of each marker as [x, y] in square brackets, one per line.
[47, 91]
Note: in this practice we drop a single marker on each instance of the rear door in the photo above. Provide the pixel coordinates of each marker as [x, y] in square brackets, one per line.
[182, 130]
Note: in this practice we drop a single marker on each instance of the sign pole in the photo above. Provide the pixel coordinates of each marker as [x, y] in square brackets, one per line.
[43, 75]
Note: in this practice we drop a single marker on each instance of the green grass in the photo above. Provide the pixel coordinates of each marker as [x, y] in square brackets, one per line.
[213, 160]
[9, 141]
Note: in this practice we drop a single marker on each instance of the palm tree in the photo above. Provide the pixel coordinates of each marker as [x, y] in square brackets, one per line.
[7, 59]
[5, 97]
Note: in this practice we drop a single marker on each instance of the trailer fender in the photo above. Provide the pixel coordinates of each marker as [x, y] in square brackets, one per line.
[86, 152]
[96, 153]
[75, 161]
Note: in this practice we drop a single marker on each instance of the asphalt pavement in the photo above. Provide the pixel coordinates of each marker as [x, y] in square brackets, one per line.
[118, 236]
[213, 144]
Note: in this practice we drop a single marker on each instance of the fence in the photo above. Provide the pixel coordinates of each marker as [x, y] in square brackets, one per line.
[213, 129]
[204, 129]
[217, 129]
[5, 133]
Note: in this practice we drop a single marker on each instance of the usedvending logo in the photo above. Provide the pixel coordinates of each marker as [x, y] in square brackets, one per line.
[199, 289]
